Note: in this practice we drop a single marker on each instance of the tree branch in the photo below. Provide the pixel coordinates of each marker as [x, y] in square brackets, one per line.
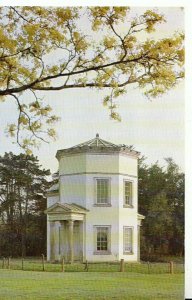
[21, 111]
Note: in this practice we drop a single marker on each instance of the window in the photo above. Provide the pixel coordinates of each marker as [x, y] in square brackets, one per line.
[102, 191]
[128, 240]
[128, 187]
[102, 239]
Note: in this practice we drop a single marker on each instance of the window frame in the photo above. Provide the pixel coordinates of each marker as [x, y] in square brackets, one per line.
[108, 203]
[130, 205]
[127, 252]
[108, 250]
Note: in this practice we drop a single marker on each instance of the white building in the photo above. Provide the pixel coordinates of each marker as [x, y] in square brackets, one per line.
[92, 213]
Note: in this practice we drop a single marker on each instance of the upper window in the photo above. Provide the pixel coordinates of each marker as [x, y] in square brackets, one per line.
[128, 240]
[128, 193]
[102, 188]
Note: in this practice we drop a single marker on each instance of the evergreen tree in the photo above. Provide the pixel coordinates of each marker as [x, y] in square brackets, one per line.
[23, 185]
[161, 200]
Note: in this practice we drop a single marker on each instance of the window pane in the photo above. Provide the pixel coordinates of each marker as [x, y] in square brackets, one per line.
[102, 238]
[128, 239]
[102, 191]
[128, 192]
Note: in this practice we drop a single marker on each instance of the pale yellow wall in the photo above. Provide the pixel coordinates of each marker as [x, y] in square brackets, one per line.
[73, 189]
[128, 217]
[127, 165]
[75, 163]
[102, 216]
[117, 216]
[102, 163]
[52, 200]
[109, 163]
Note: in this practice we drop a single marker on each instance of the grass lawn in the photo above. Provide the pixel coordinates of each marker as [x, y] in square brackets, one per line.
[89, 285]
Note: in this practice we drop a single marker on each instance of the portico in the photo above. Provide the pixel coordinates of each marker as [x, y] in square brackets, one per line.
[65, 232]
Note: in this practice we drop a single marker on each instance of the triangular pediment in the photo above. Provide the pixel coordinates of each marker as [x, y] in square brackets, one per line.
[65, 208]
[57, 210]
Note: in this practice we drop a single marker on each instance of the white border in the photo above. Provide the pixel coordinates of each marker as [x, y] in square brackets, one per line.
[188, 101]
[188, 158]
[134, 3]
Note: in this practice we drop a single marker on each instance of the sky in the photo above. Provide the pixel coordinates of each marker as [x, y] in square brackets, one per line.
[155, 128]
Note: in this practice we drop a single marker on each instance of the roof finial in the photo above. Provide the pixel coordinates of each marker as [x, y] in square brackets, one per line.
[97, 135]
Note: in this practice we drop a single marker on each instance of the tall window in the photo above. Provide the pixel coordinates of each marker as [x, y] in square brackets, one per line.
[102, 239]
[128, 194]
[128, 239]
[102, 187]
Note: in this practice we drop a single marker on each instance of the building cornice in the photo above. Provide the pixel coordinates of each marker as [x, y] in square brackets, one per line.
[66, 152]
[98, 173]
[52, 193]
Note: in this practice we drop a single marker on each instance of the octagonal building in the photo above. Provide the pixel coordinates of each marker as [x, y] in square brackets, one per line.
[92, 213]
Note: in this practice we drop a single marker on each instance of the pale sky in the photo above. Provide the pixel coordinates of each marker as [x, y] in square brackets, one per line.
[155, 128]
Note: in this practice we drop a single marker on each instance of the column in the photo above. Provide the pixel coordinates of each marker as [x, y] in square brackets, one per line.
[56, 240]
[81, 232]
[62, 239]
[52, 241]
[48, 240]
[71, 254]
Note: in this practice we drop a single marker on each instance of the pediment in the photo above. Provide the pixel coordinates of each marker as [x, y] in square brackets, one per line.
[58, 210]
[65, 208]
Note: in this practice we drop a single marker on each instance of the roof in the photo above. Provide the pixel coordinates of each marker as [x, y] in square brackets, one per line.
[65, 208]
[98, 145]
[140, 217]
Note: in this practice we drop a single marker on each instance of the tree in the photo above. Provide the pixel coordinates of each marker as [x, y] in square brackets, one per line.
[161, 200]
[175, 187]
[23, 185]
[98, 56]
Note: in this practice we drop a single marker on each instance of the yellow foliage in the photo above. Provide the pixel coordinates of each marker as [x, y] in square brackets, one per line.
[29, 152]
[114, 58]
[52, 132]
[121, 11]
[96, 24]
[99, 10]
[23, 120]
[36, 125]
[130, 41]
[106, 100]
[11, 129]
[109, 42]
[115, 116]
[64, 14]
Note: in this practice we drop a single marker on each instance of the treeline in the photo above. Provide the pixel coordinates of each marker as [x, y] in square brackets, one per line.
[161, 201]
[23, 187]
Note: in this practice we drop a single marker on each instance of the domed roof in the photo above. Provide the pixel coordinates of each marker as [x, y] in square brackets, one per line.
[98, 145]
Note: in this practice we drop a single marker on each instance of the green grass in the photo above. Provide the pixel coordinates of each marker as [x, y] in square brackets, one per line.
[18, 285]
